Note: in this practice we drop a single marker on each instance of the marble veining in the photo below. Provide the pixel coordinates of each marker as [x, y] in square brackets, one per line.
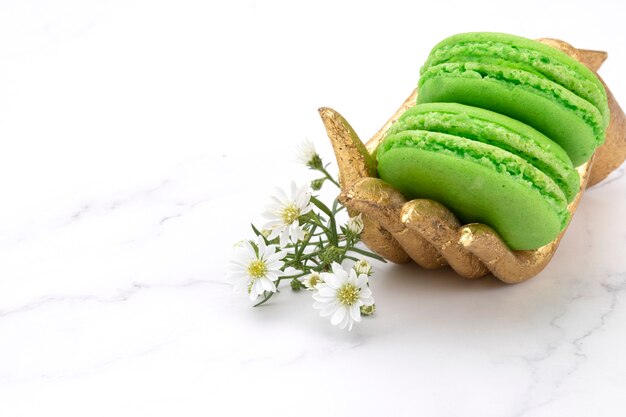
[137, 149]
[548, 376]
[179, 307]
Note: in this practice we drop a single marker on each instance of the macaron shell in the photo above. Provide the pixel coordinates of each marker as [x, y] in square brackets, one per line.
[571, 132]
[522, 215]
[527, 54]
[520, 43]
[495, 129]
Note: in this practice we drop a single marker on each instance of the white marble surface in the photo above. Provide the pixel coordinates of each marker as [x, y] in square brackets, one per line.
[140, 138]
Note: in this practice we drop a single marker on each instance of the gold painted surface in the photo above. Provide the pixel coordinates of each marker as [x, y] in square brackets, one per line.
[372, 144]
[426, 231]
[383, 203]
[440, 228]
[353, 160]
[612, 153]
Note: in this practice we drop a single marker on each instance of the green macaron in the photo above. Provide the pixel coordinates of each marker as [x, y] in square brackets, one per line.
[524, 79]
[485, 167]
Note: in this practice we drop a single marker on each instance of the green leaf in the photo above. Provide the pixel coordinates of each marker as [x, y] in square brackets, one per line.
[321, 206]
[367, 253]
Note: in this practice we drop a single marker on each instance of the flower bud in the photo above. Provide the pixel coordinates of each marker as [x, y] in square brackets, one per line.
[296, 285]
[315, 162]
[308, 156]
[316, 185]
[355, 225]
[331, 254]
[368, 310]
[363, 267]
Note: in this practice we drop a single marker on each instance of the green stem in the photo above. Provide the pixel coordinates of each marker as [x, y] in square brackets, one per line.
[290, 277]
[367, 253]
[331, 219]
[258, 233]
[328, 176]
[335, 206]
[315, 220]
[314, 261]
[305, 243]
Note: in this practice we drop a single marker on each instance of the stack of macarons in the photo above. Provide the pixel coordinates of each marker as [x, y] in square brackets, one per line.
[500, 124]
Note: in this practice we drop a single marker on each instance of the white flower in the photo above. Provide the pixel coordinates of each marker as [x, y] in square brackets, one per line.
[256, 270]
[355, 225]
[363, 267]
[285, 212]
[306, 153]
[311, 280]
[341, 295]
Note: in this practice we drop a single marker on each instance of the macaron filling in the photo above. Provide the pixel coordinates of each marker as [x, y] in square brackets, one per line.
[525, 80]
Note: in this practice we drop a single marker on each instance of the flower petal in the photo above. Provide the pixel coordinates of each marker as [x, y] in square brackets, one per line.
[352, 278]
[277, 256]
[339, 272]
[294, 189]
[324, 298]
[350, 326]
[267, 284]
[268, 250]
[260, 242]
[274, 231]
[326, 309]
[284, 236]
[257, 286]
[338, 316]
[281, 197]
[246, 244]
[365, 292]
[355, 312]
[331, 280]
[326, 291]
[292, 271]
[306, 209]
[361, 281]
[367, 300]
[347, 321]
[303, 199]
[270, 276]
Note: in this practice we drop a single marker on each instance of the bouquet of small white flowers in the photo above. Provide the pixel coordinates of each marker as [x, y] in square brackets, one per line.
[302, 243]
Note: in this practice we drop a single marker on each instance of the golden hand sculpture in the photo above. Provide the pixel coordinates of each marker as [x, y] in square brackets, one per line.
[426, 231]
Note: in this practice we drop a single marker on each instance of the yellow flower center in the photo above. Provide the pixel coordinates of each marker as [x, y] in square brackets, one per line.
[290, 214]
[348, 294]
[257, 269]
[314, 280]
